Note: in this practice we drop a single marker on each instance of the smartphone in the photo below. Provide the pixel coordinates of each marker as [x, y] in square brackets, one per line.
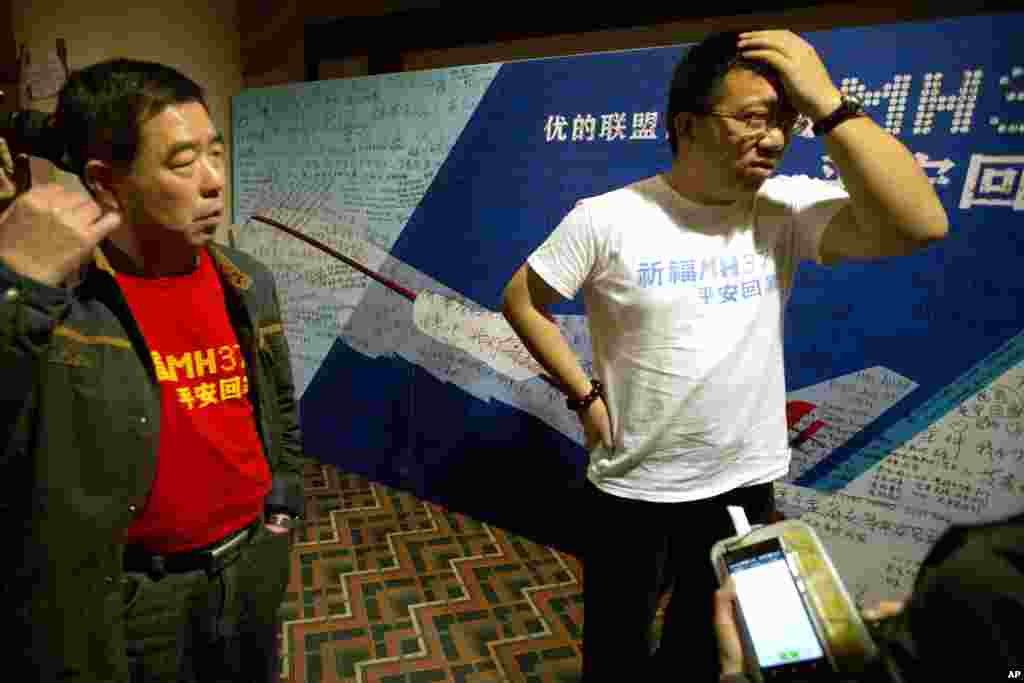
[795, 616]
[779, 625]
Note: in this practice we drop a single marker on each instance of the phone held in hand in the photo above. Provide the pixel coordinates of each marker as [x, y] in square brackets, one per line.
[796, 620]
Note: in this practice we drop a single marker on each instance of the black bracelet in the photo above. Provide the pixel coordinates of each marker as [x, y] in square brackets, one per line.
[578, 404]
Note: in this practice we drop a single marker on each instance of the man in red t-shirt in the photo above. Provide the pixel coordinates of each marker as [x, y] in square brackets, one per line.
[196, 497]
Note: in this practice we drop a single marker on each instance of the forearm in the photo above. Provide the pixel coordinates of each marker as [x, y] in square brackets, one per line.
[545, 342]
[292, 456]
[887, 185]
[293, 460]
[287, 494]
[17, 367]
[29, 312]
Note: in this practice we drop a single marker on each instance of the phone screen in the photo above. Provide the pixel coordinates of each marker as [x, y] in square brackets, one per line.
[776, 619]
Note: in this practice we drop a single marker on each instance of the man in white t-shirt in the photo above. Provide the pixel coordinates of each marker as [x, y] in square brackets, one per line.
[685, 276]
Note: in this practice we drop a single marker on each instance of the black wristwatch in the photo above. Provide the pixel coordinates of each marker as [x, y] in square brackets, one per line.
[850, 107]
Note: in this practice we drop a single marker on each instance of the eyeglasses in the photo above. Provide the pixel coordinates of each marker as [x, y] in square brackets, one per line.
[758, 123]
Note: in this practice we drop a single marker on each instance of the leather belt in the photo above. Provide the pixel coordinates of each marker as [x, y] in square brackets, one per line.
[211, 558]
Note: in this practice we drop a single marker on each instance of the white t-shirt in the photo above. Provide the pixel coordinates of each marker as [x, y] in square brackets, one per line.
[685, 306]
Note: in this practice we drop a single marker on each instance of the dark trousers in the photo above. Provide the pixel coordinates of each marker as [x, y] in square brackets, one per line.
[635, 551]
[193, 627]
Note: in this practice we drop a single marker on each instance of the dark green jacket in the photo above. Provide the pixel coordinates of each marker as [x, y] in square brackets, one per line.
[79, 431]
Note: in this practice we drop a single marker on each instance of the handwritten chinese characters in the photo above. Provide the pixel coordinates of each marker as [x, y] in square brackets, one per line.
[849, 525]
[484, 334]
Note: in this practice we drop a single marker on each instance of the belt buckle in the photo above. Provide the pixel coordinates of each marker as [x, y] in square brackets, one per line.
[157, 568]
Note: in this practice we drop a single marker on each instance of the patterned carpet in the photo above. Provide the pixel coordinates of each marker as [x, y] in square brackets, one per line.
[388, 588]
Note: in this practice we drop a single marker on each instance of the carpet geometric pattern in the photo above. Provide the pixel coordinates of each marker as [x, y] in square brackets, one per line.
[388, 588]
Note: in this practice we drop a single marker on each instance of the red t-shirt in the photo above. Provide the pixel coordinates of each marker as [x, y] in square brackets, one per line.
[211, 474]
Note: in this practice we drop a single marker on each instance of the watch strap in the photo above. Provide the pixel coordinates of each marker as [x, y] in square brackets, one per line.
[848, 108]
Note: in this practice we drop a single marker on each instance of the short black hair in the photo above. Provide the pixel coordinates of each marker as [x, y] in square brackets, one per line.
[699, 73]
[102, 107]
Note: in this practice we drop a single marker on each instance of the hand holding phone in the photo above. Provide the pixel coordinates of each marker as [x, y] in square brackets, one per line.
[794, 620]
